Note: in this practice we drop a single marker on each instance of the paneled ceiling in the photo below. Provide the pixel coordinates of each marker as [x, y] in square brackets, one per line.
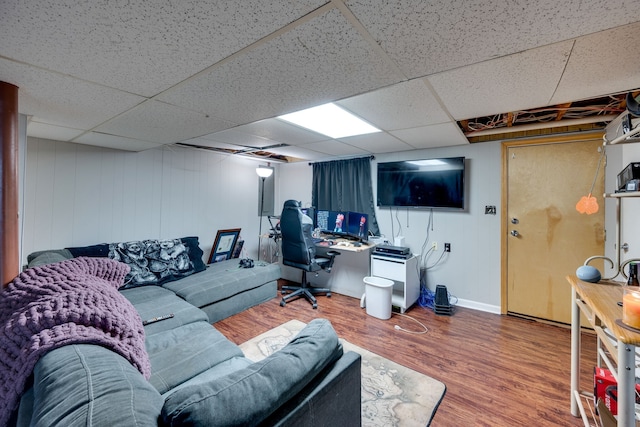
[134, 75]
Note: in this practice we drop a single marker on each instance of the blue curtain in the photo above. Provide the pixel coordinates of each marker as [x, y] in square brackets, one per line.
[345, 185]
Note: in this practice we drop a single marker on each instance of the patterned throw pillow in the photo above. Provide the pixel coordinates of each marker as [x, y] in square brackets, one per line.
[154, 262]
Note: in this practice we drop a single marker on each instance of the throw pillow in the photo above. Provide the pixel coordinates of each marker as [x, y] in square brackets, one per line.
[154, 262]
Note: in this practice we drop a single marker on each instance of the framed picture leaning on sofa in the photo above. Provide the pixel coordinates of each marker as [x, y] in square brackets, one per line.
[223, 245]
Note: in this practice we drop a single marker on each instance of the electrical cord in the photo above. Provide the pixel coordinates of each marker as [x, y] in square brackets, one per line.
[426, 298]
[399, 328]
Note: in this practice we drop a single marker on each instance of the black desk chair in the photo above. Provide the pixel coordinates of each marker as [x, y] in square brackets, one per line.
[299, 251]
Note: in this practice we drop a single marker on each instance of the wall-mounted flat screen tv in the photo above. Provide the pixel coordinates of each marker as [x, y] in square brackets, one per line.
[427, 183]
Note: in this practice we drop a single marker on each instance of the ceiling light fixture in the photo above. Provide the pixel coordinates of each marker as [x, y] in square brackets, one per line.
[330, 120]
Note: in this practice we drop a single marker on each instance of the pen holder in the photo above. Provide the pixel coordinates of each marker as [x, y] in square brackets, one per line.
[631, 306]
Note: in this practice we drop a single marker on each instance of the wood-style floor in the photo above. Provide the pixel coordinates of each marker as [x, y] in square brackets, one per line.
[499, 370]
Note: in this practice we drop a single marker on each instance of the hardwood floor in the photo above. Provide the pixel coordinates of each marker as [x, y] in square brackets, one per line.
[499, 370]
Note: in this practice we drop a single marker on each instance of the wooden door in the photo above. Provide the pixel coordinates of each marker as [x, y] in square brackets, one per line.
[547, 237]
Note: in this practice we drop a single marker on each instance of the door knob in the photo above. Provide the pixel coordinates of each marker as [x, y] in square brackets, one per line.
[515, 233]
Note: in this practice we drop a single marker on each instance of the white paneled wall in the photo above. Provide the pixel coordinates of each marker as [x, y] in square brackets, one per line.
[78, 195]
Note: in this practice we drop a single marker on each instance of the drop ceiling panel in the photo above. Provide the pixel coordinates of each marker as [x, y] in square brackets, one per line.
[202, 141]
[519, 81]
[234, 137]
[403, 105]
[58, 133]
[299, 152]
[381, 142]
[278, 130]
[429, 37]
[320, 60]
[116, 142]
[334, 148]
[601, 63]
[62, 100]
[117, 43]
[440, 135]
[162, 123]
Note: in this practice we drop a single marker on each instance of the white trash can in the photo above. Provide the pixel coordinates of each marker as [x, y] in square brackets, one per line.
[378, 292]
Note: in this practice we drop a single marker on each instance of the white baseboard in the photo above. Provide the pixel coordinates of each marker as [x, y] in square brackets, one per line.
[478, 306]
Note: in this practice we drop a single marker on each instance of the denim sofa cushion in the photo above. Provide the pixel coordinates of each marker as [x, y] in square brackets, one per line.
[233, 400]
[85, 384]
[182, 353]
[155, 301]
[222, 280]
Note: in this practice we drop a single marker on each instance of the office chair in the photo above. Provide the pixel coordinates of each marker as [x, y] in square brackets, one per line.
[299, 251]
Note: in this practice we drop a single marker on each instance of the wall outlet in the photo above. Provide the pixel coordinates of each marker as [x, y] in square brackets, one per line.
[490, 210]
[434, 246]
[447, 247]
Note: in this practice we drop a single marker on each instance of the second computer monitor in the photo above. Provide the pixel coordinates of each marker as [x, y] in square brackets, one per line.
[358, 225]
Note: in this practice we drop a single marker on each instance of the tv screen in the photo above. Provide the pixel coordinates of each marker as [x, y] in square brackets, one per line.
[428, 183]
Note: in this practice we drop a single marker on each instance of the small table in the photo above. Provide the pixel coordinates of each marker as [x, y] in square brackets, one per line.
[599, 302]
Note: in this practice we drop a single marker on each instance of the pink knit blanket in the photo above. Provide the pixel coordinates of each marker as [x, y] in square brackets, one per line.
[70, 302]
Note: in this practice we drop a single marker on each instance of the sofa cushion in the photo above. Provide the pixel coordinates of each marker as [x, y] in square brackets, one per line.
[155, 301]
[180, 354]
[222, 280]
[101, 250]
[220, 370]
[234, 400]
[47, 257]
[85, 384]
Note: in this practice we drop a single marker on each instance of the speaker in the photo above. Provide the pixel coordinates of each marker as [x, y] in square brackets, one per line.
[441, 304]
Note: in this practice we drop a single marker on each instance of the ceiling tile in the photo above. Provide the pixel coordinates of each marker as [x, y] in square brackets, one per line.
[162, 123]
[334, 148]
[278, 130]
[403, 105]
[62, 100]
[318, 61]
[116, 142]
[601, 63]
[380, 142]
[299, 152]
[57, 133]
[117, 43]
[204, 142]
[440, 135]
[429, 37]
[519, 81]
[232, 136]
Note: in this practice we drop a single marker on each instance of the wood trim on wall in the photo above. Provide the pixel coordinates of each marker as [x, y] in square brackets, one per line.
[552, 139]
[9, 221]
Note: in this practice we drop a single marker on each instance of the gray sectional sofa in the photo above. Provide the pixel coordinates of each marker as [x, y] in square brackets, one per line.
[197, 376]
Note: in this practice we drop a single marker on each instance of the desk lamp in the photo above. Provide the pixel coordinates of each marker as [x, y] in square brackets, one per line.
[263, 172]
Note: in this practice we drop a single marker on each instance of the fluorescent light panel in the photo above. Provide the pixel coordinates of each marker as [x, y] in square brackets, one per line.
[330, 120]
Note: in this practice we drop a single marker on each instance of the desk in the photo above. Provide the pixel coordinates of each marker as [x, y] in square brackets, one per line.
[349, 268]
[599, 303]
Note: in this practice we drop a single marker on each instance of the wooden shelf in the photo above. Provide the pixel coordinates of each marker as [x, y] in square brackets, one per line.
[623, 194]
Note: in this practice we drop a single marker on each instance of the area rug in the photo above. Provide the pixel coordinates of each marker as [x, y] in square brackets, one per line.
[392, 395]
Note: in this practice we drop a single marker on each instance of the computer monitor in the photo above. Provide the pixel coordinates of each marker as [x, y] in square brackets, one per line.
[333, 222]
[311, 213]
[358, 225]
